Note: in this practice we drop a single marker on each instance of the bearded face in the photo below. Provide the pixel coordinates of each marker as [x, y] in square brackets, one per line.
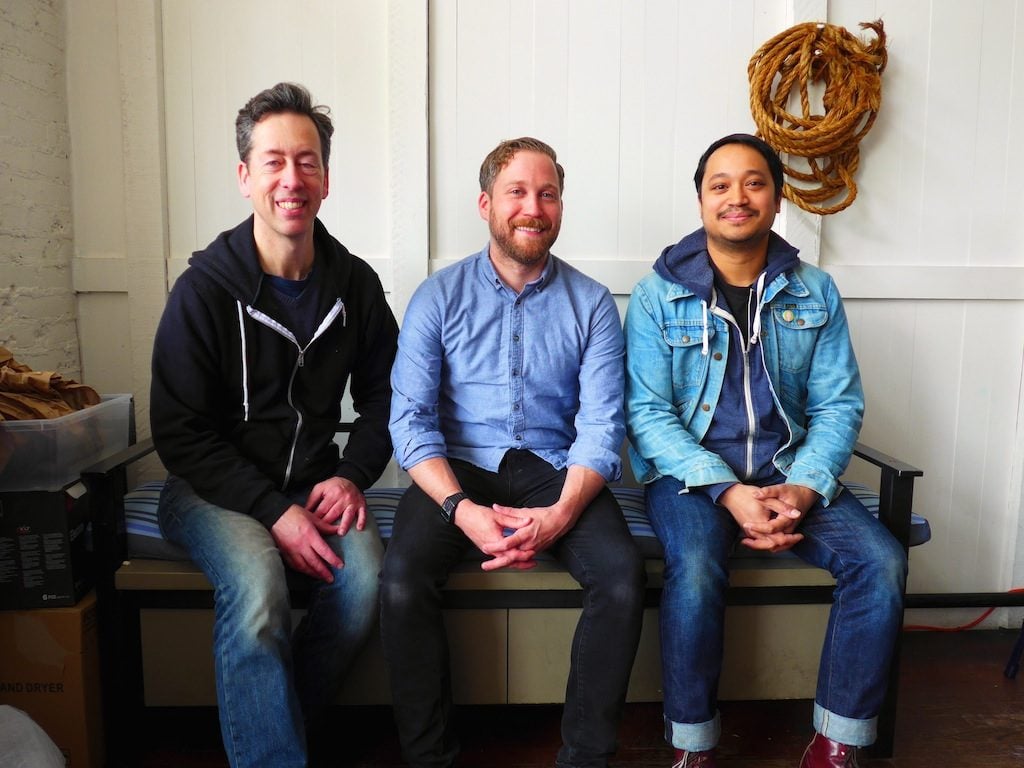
[524, 209]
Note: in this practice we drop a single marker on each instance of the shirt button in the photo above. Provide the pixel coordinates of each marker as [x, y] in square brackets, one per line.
[519, 438]
[515, 337]
[788, 316]
[705, 407]
[515, 407]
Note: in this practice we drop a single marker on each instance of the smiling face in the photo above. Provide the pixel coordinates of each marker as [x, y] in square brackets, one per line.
[523, 209]
[738, 200]
[284, 177]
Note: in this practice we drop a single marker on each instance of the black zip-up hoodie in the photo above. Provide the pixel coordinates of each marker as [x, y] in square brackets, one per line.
[244, 414]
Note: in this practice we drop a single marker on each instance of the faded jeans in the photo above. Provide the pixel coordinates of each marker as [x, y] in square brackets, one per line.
[271, 684]
[843, 538]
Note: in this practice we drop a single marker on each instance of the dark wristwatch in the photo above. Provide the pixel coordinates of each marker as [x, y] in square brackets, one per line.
[448, 506]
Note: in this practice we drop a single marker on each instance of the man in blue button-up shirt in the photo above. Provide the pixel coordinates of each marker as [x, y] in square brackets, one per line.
[508, 415]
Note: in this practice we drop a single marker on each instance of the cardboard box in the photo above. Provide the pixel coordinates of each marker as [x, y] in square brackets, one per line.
[49, 667]
[44, 557]
[47, 454]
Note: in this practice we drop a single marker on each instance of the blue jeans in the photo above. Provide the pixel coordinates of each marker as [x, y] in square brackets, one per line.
[599, 553]
[869, 567]
[272, 685]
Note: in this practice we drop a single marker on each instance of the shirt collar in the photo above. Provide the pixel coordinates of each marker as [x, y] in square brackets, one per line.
[491, 276]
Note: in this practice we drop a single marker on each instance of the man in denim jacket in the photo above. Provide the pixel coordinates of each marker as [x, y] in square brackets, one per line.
[743, 404]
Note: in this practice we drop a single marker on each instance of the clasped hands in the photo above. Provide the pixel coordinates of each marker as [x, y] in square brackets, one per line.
[769, 516]
[534, 529]
[333, 506]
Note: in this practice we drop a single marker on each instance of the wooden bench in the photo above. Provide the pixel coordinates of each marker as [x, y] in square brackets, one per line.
[510, 630]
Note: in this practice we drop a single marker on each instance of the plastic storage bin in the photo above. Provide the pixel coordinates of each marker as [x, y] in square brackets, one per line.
[47, 454]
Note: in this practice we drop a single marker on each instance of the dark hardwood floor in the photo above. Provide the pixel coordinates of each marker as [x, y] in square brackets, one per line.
[956, 710]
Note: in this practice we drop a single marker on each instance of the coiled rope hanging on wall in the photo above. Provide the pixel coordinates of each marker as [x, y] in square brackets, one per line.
[851, 73]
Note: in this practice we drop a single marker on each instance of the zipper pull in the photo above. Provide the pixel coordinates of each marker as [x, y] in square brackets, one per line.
[302, 358]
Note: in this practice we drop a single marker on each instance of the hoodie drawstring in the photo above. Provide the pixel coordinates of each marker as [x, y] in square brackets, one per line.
[245, 365]
[755, 332]
[704, 335]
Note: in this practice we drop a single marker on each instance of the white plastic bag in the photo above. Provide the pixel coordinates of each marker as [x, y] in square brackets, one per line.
[23, 744]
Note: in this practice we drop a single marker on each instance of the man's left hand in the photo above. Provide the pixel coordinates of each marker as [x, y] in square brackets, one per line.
[547, 525]
[789, 502]
[338, 501]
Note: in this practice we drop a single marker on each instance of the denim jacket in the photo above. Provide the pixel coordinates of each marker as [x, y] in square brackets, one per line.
[676, 357]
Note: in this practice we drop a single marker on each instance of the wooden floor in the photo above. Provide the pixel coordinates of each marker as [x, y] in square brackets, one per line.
[956, 711]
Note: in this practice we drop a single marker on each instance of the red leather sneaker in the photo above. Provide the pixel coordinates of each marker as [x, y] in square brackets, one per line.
[825, 753]
[686, 759]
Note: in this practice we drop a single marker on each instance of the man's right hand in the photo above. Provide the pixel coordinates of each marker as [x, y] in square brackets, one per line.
[485, 527]
[763, 528]
[300, 537]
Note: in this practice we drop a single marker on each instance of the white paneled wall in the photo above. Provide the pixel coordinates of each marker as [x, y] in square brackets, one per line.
[630, 93]
[218, 55]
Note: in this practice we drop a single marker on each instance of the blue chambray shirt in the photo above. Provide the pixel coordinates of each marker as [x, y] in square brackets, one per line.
[481, 370]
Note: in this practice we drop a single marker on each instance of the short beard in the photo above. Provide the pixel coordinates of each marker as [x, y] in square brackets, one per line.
[504, 236]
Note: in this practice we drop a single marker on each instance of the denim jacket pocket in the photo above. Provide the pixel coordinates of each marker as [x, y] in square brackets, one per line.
[685, 338]
[798, 325]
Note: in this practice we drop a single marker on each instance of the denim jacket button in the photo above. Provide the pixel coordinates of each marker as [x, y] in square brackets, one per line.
[686, 339]
[718, 355]
[705, 407]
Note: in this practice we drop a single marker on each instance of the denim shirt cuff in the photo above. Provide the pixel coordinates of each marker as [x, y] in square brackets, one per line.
[607, 464]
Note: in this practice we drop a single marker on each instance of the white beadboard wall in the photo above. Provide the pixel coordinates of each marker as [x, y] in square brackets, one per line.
[630, 93]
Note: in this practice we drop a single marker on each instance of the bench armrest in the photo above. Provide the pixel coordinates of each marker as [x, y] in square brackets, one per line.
[895, 491]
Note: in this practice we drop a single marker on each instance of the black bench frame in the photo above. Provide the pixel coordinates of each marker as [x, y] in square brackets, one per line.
[120, 610]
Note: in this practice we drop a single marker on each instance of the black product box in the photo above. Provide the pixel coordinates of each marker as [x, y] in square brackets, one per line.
[45, 561]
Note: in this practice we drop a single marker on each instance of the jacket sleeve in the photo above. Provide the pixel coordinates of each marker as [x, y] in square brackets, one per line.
[188, 402]
[834, 409]
[654, 418]
[368, 448]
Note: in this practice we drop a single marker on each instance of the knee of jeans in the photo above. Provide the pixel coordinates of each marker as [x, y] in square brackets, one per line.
[402, 588]
[884, 571]
[891, 571]
[360, 580]
[695, 571]
[256, 587]
[362, 552]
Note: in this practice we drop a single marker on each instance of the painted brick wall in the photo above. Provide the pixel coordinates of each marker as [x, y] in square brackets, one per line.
[37, 303]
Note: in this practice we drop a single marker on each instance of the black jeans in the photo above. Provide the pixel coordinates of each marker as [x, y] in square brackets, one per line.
[599, 553]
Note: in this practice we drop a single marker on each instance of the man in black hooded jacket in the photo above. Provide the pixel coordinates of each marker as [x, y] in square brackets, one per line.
[259, 338]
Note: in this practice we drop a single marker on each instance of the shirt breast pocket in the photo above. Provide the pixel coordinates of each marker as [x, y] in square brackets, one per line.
[798, 327]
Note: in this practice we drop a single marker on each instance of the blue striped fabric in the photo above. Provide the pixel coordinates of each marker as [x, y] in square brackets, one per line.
[142, 528]
[144, 539]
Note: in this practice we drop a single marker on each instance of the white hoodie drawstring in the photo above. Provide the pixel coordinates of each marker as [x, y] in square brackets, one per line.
[755, 332]
[245, 365]
[704, 337]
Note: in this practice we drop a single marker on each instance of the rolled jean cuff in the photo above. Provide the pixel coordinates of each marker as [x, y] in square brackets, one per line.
[694, 737]
[845, 730]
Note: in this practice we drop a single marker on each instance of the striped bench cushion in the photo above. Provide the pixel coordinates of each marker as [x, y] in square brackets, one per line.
[145, 540]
